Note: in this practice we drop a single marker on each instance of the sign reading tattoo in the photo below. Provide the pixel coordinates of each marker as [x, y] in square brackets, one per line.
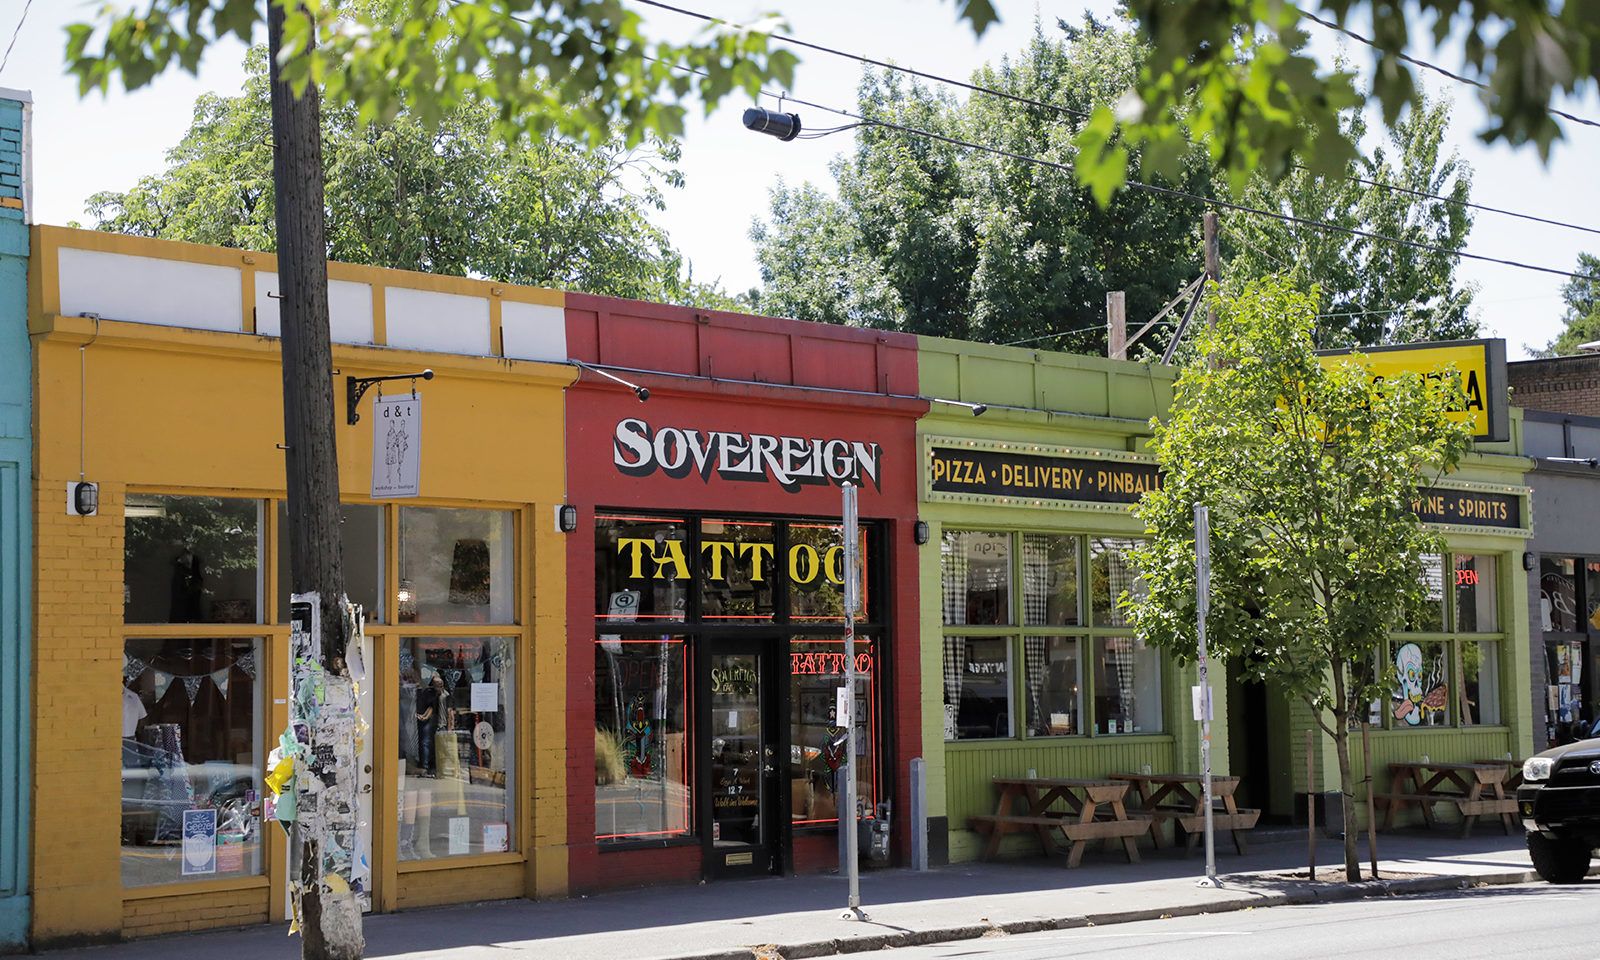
[1469, 507]
[638, 450]
[1004, 474]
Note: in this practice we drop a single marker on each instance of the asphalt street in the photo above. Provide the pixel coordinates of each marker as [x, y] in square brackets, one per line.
[1495, 923]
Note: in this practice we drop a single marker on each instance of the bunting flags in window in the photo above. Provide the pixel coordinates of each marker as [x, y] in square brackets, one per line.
[191, 686]
[451, 678]
[132, 669]
[220, 678]
[247, 663]
[161, 681]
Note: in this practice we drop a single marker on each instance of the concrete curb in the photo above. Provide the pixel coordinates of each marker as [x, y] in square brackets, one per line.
[1305, 895]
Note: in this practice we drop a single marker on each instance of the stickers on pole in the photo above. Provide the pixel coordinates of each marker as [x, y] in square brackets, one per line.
[396, 446]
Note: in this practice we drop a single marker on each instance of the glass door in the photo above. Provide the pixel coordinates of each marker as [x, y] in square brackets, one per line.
[741, 752]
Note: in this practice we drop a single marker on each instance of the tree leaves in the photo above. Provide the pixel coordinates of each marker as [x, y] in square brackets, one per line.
[1582, 317]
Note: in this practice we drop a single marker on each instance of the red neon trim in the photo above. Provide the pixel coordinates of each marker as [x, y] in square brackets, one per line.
[623, 516]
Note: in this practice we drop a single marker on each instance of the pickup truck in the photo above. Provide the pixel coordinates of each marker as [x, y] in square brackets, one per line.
[1559, 803]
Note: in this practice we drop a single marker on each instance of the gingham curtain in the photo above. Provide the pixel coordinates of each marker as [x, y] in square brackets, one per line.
[955, 664]
[1035, 578]
[953, 567]
[1033, 654]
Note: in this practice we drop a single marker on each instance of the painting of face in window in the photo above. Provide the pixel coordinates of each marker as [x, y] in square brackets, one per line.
[1421, 692]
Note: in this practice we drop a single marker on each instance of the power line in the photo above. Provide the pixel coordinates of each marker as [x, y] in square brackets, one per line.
[15, 33]
[1084, 115]
[1429, 66]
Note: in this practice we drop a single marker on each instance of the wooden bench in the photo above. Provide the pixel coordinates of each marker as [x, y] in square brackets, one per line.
[1178, 798]
[1094, 811]
[1474, 789]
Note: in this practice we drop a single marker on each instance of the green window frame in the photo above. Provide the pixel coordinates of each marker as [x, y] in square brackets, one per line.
[1452, 668]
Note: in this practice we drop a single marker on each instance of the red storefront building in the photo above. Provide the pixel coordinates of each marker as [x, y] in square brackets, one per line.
[705, 588]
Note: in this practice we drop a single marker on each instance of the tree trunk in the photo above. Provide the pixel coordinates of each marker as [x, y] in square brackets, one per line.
[330, 921]
[1341, 744]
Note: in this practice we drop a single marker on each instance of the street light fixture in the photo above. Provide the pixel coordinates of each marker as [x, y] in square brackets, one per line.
[784, 126]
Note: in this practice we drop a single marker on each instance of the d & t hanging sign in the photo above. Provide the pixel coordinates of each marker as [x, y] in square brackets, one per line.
[396, 445]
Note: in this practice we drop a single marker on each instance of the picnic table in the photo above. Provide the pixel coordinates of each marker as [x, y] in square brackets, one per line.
[1094, 811]
[1180, 799]
[1475, 789]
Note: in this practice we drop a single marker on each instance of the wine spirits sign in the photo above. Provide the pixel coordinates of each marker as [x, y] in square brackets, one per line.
[638, 450]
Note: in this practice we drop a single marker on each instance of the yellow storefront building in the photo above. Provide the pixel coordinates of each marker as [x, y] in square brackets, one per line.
[157, 378]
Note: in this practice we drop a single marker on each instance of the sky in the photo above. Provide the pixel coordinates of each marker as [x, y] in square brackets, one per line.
[107, 143]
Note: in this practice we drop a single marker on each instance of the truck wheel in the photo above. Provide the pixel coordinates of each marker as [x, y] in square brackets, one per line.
[1558, 860]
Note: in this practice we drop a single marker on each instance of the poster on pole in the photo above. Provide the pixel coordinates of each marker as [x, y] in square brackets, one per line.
[396, 446]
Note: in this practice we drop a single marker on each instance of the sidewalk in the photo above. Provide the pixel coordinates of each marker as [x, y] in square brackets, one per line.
[800, 915]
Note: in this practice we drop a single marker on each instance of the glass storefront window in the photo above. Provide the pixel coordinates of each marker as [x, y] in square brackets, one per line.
[976, 571]
[1429, 616]
[641, 739]
[737, 570]
[191, 559]
[1054, 677]
[1049, 580]
[1127, 686]
[457, 709]
[1421, 697]
[456, 566]
[191, 760]
[1480, 682]
[977, 688]
[816, 739]
[361, 536]
[641, 569]
[1558, 594]
[1592, 594]
[1111, 574]
[816, 573]
[1477, 596]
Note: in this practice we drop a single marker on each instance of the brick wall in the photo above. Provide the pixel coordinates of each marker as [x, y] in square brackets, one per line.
[1559, 384]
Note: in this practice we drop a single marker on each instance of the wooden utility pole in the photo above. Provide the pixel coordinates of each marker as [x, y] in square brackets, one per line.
[1117, 325]
[330, 919]
[1213, 266]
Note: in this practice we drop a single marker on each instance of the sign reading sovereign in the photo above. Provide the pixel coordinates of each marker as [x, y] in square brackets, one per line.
[1001, 473]
[1480, 365]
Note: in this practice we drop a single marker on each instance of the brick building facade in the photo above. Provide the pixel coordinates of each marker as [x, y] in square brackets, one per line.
[1557, 384]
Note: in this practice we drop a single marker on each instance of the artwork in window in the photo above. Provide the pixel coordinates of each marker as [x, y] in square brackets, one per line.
[456, 566]
[977, 688]
[817, 744]
[1477, 596]
[737, 570]
[1111, 575]
[1127, 686]
[641, 567]
[457, 713]
[361, 543]
[976, 573]
[191, 559]
[1428, 616]
[1558, 594]
[642, 787]
[191, 760]
[1049, 580]
[1054, 677]
[1480, 682]
[1422, 689]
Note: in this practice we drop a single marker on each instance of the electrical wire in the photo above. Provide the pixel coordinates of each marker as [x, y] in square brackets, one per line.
[1058, 333]
[1425, 64]
[14, 34]
[1084, 115]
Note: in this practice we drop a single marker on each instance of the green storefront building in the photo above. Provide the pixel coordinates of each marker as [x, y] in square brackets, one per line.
[1030, 669]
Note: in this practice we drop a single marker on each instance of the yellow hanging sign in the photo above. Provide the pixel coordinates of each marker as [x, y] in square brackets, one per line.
[1479, 364]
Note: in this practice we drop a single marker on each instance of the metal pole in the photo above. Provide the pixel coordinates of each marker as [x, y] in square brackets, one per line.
[1372, 816]
[1202, 582]
[847, 809]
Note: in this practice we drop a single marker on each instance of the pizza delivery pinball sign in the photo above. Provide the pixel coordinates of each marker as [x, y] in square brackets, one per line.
[1480, 365]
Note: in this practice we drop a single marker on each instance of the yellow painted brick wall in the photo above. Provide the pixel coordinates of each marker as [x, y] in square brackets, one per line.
[190, 912]
[77, 889]
[431, 888]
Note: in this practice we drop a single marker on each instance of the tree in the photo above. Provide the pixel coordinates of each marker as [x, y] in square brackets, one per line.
[930, 238]
[1238, 75]
[1309, 473]
[1582, 317]
[453, 199]
[1370, 292]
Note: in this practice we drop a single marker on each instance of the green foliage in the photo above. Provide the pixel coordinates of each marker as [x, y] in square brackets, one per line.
[1582, 317]
[1309, 472]
[582, 68]
[1237, 74]
[451, 199]
[930, 238]
[1369, 292]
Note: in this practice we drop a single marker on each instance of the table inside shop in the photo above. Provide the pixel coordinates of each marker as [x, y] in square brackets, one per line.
[1088, 810]
[1474, 789]
[1180, 799]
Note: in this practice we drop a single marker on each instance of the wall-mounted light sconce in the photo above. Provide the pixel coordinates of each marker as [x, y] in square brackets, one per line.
[978, 409]
[1529, 561]
[567, 518]
[919, 532]
[83, 498]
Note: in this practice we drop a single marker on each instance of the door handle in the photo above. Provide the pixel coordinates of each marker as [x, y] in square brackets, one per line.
[768, 769]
